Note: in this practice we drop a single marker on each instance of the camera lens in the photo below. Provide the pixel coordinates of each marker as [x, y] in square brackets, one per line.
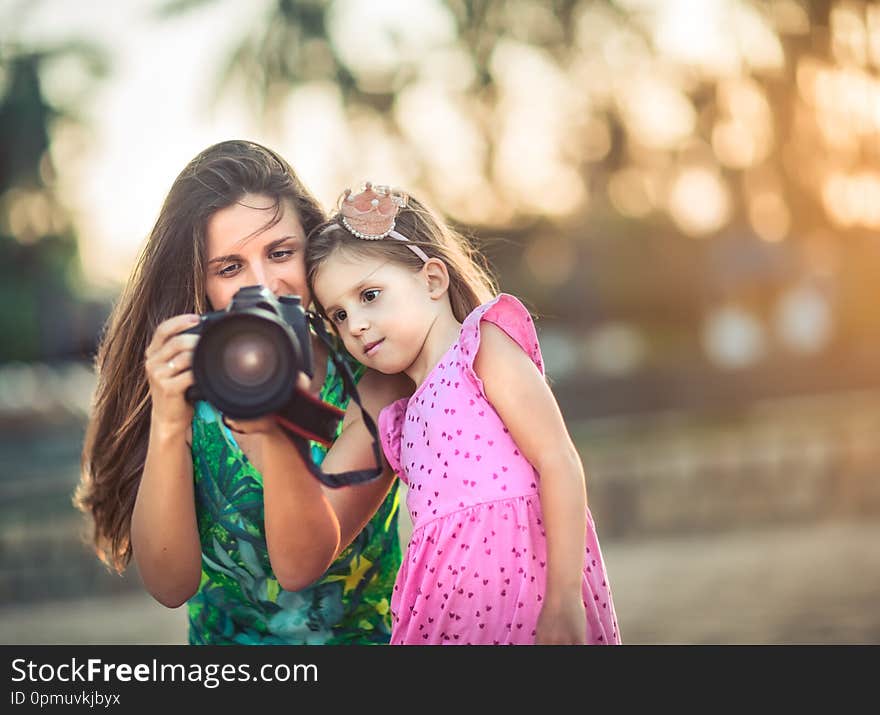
[249, 359]
[247, 365]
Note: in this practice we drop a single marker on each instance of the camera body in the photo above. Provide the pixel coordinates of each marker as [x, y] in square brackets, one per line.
[249, 358]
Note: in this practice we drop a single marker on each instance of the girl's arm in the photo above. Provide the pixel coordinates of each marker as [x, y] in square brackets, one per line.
[523, 400]
[164, 534]
[355, 506]
[307, 524]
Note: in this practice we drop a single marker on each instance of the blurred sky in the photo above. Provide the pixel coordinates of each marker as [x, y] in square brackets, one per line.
[157, 108]
[723, 129]
[146, 120]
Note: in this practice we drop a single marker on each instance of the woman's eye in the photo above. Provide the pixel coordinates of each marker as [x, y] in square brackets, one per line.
[371, 295]
[229, 270]
[281, 253]
[339, 316]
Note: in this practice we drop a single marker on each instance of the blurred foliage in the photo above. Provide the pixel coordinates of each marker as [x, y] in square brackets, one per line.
[749, 174]
[41, 311]
[614, 175]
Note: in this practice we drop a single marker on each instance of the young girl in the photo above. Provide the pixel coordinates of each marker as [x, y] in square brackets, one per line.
[504, 549]
[232, 522]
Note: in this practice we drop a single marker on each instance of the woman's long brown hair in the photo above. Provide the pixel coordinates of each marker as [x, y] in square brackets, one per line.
[168, 279]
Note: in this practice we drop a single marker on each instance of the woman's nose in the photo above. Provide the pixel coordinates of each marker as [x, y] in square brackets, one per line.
[264, 276]
[257, 276]
[276, 285]
[280, 283]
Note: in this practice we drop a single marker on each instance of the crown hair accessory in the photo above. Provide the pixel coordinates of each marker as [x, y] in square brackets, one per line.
[370, 214]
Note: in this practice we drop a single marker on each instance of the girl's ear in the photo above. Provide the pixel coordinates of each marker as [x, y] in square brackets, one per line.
[436, 276]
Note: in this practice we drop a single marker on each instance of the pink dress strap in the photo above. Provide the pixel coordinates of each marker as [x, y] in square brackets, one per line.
[509, 314]
[505, 311]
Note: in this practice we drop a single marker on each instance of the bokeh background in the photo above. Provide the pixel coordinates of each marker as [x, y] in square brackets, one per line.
[685, 192]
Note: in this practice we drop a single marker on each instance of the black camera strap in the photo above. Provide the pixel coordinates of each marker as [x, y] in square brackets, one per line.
[300, 440]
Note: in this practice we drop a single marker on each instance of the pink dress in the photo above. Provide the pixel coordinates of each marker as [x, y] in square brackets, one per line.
[475, 568]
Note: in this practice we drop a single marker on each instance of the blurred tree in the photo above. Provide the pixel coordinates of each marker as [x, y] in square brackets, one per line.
[607, 135]
[41, 316]
[736, 115]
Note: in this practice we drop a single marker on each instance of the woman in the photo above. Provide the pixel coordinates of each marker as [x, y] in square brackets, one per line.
[232, 522]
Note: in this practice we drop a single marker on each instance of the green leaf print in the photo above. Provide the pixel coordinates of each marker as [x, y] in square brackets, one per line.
[251, 562]
[239, 599]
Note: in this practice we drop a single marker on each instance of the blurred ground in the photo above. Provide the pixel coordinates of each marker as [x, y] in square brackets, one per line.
[792, 584]
[817, 583]
[755, 525]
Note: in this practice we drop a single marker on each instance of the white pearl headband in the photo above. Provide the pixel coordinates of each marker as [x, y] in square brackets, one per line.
[370, 215]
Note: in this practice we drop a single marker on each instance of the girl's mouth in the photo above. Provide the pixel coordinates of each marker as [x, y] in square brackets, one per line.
[371, 348]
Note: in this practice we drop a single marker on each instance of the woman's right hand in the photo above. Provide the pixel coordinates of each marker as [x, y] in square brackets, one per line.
[168, 361]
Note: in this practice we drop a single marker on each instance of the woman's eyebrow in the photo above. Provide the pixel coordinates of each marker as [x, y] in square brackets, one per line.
[224, 259]
[279, 241]
[269, 248]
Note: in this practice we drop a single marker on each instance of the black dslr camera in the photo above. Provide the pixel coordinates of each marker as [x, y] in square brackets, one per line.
[247, 362]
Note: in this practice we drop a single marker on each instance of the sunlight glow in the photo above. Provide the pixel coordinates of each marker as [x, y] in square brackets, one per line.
[720, 37]
[853, 199]
[733, 337]
[658, 114]
[377, 40]
[699, 201]
[440, 127]
[536, 107]
[745, 137]
[769, 216]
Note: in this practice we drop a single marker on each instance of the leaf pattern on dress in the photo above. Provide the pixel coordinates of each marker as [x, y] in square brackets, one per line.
[239, 600]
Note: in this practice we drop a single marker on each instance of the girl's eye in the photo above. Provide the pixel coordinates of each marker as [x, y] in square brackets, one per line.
[281, 253]
[229, 270]
[371, 294]
[339, 316]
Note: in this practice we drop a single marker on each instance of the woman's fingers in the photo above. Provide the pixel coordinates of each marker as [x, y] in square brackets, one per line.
[180, 382]
[174, 357]
[169, 353]
[170, 328]
[174, 346]
[166, 378]
[180, 362]
[169, 357]
[168, 360]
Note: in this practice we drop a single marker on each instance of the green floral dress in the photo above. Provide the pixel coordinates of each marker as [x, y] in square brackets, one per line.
[239, 600]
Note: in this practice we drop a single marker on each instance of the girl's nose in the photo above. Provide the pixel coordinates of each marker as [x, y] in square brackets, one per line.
[359, 324]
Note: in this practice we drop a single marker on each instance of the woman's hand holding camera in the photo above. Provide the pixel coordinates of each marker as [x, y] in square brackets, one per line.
[168, 361]
[266, 424]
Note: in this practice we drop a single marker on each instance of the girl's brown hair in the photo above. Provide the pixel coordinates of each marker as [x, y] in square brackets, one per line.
[470, 281]
[168, 279]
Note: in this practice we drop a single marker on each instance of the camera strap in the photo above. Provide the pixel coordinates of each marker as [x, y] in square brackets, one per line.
[300, 439]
